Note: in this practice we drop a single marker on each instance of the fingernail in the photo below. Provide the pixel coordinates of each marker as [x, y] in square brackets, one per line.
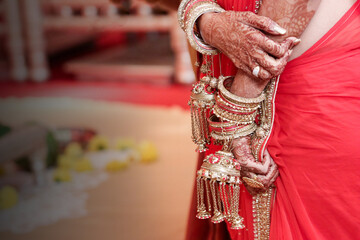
[279, 29]
[297, 40]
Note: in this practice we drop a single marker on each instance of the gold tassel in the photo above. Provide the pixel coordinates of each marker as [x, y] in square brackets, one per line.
[220, 171]
[224, 196]
[207, 186]
[201, 208]
[218, 216]
[202, 99]
[236, 220]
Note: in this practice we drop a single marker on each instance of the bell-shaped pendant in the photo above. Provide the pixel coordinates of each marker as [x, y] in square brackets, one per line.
[202, 213]
[236, 222]
[218, 217]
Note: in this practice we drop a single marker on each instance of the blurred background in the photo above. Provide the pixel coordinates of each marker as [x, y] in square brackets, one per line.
[95, 138]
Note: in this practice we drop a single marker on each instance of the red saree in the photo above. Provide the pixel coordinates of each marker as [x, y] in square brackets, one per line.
[315, 139]
[314, 142]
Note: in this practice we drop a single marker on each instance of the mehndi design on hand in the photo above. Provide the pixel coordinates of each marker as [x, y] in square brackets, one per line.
[239, 35]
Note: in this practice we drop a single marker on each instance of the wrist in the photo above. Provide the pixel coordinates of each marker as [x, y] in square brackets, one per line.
[247, 86]
[204, 26]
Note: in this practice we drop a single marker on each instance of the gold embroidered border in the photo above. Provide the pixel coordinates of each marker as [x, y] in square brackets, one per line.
[261, 213]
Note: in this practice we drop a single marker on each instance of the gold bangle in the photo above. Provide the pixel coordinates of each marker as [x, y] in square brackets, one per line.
[228, 130]
[195, 12]
[235, 118]
[245, 131]
[236, 99]
[181, 12]
[236, 108]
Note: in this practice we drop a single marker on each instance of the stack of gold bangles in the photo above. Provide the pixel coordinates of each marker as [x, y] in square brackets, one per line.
[237, 115]
[188, 13]
[238, 112]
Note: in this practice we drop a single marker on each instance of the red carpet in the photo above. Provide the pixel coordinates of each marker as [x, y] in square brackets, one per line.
[109, 91]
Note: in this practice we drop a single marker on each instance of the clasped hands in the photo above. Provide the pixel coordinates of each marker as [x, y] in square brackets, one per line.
[264, 172]
[244, 38]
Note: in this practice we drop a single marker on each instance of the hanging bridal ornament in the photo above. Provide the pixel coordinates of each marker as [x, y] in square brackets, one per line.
[218, 180]
[202, 99]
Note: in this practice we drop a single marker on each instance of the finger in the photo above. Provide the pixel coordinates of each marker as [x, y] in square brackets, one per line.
[248, 66]
[262, 23]
[262, 73]
[273, 48]
[256, 167]
[269, 64]
[267, 161]
[244, 156]
[291, 42]
[273, 179]
[241, 147]
[267, 178]
[247, 174]
[241, 140]
[278, 50]
[267, 155]
[274, 66]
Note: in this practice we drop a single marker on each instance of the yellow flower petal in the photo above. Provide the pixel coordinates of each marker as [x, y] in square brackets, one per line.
[62, 175]
[73, 149]
[65, 161]
[148, 152]
[98, 143]
[83, 165]
[115, 166]
[124, 143]
[8, 197]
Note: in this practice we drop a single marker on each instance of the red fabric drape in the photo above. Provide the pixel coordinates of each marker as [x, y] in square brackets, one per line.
[315, 140]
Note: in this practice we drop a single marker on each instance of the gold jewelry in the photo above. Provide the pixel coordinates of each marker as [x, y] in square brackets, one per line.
[228, 130]
[221, 172]
[230, 107]
[218, 180]
[257, 5]
[212, 81]
[194, 13]
[181, 12]
[235, 107]
[202, 99]
[247, 130]
[243, 119]
[252, 182]
[236, 99]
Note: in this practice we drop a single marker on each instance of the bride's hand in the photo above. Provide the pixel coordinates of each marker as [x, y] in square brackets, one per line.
[265, 172]
[239, 35]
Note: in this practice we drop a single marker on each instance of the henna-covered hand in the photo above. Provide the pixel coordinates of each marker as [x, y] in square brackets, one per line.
[240, 36]
[266, 171]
